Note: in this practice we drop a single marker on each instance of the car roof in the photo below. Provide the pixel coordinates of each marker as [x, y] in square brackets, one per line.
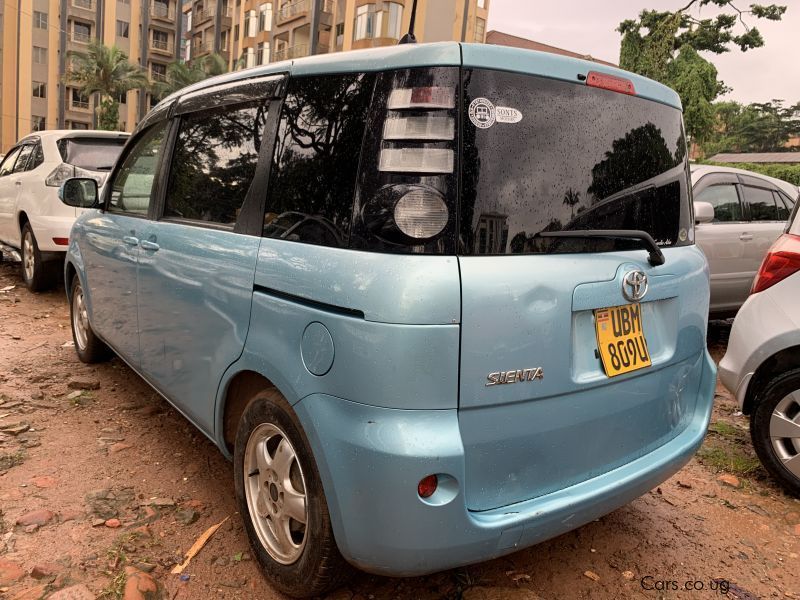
[74, 133]
[486, 56]
[699, 171]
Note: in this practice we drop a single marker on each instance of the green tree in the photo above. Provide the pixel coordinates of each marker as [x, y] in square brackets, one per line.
[757, 127]
[106, 71]
[181, 74]
[664, 46]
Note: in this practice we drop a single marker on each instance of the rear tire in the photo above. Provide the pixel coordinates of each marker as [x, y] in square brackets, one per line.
[37, 274]
[299, 559]
[88, 346]
[775, 429]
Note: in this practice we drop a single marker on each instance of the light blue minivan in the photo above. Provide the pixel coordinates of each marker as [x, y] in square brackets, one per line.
[437, 302]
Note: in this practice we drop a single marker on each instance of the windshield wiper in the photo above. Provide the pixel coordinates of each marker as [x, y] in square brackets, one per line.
[655, 258]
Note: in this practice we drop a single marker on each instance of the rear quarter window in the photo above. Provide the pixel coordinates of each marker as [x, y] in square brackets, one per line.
[548, 155]
[93, 154]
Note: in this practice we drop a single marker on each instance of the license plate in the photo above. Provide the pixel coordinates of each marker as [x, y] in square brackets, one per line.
[620, 338]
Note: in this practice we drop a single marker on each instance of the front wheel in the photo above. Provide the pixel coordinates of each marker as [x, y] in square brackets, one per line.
[37, 274]
[88, 346]
[775, 429]
[280, 498]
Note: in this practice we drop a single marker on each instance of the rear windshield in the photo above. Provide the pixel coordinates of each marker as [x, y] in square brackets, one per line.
[545, 155]
[94, 154]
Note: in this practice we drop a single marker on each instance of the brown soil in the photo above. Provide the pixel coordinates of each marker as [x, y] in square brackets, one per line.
[106, 453]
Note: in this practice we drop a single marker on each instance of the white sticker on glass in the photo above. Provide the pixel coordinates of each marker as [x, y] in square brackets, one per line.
[504, 114]
[481, 113]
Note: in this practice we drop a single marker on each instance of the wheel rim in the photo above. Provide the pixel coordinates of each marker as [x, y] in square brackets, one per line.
[275, 491]
[784, 432]
[80, 318]
[28, 256]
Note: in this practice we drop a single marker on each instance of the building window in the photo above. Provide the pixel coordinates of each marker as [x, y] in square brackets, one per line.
[79, 100]
[81, 32]
[38, 123]
[480, 29]
[365, 22]
[339, 34]
[123, 29]
[158, 72]
[252, 23]
[236, 33]
[39, 55]
[39, 20]
[223, 41]
[39, 89]
[160, 40]
[395, 14]
[265, 17]
[124, 1]
[123, 98]
[263, 53]
[78, 125]
[481, 3]
[249, 58]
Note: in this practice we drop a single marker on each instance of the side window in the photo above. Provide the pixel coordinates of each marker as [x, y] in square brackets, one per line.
[762, 204]
[24, 156]
[8, 163]
[132, 187]
[316, 159]
[725, 201]
[37, 157]
[214, 162]
[785, 205]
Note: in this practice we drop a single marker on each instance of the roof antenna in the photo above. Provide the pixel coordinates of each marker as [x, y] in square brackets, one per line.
[409, 37]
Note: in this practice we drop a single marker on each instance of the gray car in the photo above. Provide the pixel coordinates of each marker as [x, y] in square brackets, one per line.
[738, 215]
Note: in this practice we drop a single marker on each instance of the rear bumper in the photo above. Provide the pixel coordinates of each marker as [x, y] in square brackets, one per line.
[371, 459]
[46, 229]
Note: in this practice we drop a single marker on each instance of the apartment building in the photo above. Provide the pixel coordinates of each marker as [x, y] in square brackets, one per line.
[255, 32]
[37, 36]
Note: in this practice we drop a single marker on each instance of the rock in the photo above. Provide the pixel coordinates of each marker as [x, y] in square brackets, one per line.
[71, 515]
[10, 572]
[759, 510]
[15, 428]
[119, 447]
[74, 395]
[37, 395]
[36, 517]
[139, 585]
[31, 528]
[98, 522]
[113, 523]
[797, 529]
[729, 480]
[187, 516]
[160, 502]
[73, 592]
[79, 384]
[144, 566]
[591, 575]
[34, 593]
[628, 575]
[45, 570]
[44, 481]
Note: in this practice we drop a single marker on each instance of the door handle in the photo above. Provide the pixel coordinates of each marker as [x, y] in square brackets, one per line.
[130, 240]
[746, 237]
[148, 245]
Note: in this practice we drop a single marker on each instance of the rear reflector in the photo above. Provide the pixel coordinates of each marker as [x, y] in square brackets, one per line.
[421, 213]
[782, 260]
[425, 127]
[610, 82]
[416, 160]
[61, 241]
[421, 97]
[427, 486]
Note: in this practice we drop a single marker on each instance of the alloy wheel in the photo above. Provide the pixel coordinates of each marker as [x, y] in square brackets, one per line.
[784, 432]
[28, 256]
[80, 318]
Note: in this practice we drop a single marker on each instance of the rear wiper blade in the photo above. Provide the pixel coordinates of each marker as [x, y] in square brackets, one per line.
[655, 258]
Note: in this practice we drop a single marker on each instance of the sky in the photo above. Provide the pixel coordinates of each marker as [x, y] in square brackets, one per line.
[588, 27]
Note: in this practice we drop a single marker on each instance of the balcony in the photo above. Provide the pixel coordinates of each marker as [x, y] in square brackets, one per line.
[80, 37]
[202, 47]
[296, 51]
[162, 10]
[84, 4]
[205, 14]
[158, 75]
[293, 10]
[163, 46]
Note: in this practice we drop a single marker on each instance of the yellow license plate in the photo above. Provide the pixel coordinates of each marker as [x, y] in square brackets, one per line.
[620, 339]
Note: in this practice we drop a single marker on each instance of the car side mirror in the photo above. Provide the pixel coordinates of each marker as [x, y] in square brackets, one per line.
[80, 192]
[703, 212]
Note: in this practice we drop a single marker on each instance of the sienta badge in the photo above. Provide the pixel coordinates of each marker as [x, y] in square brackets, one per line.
[481, 113]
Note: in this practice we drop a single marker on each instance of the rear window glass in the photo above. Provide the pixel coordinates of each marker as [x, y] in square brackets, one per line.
[94, 154]
[544, 155]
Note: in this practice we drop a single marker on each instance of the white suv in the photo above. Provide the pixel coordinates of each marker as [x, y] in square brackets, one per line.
[761, 366]
[32, 218]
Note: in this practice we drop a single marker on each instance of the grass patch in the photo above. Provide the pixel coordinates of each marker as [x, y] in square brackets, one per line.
[727, 431]
[725, 457]
[116, 587]
[11, 460]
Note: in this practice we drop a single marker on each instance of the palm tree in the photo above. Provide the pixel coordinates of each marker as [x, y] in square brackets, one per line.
[106, 71]
[571, 198]
[180, 74]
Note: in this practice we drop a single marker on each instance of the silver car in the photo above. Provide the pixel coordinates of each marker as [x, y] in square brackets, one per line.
[762, 364]
[738, 214]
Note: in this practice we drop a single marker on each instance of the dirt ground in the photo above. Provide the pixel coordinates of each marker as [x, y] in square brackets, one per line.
[104, 475]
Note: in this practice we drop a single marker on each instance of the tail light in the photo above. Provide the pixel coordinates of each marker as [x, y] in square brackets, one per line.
[610, 82]
[782, 260]
[65, 171]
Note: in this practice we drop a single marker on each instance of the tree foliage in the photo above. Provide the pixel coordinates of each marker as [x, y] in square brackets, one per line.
[757, 127]
[181, 74]
[104, 70]
[664, 46]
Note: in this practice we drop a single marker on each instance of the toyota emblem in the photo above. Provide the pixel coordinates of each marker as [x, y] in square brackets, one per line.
[634, 285]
